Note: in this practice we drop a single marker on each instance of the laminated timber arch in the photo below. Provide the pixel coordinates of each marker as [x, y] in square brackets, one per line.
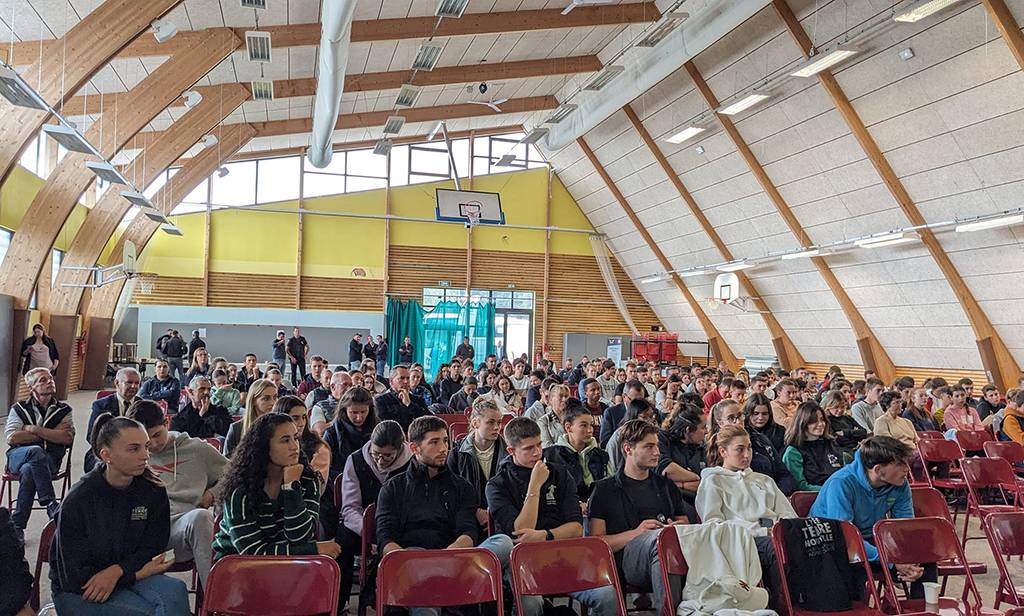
[996, 358]
[89, 46]
[159, 154]
[58, 196]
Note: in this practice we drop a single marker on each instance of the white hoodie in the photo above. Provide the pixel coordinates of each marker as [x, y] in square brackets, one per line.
[741, 497]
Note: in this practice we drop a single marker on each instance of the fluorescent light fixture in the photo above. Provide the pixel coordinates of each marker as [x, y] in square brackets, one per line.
[890, 239]
[17, 92]
[919, 10]
[435, 130]
[653, 279]
[748, 101]
[662, 30]
[106, 172]
[192, 98]
[805, 254]
[171, 229]
[209, 141]
[427, 57]
[164, 30]
[563, 112]
[451, 8]
[822, 61]
[407, 95]
[686, 134]
[737, 266]
[505, 161]
[139, 199]
[262, 90]
[69, 138]
[691, 273]
[603, 78]
[156, 216]
[991, 223]
[534, 135]
[382, 148]
[257, 46]
[394, 125]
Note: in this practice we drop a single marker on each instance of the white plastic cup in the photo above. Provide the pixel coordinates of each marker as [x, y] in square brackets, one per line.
[931, 592]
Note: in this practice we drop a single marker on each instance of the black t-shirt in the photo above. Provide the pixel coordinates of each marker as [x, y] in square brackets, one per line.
[645, 501]
[645, 498]
[297, 347]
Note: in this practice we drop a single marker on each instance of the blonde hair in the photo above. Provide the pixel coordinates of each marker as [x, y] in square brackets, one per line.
[722, 438]
[255, 391]
[481, 406]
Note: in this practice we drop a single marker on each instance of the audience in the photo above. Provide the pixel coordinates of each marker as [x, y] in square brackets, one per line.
[476, 456]
[1013, 423]
[162, 386]
[812, 454]
[259, 402]
[200, 366]
[959, 415]
[990, 404]
[321, 392]
[314, 448]
[504, 395]
[638, 408]
[248, 375]
[537, 410]
[866, 411]
[312, 380]
[760, 420]
[844, 427]
[418, 387]
[785, 403]
[552, 424]
[631, 390]
[353, 424]
[893, 425]
[464, 398]
[200, 417]
[224, 394]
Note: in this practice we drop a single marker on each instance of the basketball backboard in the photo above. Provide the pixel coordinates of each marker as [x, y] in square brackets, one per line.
[128, 258]
[469, 207]
[727, 287]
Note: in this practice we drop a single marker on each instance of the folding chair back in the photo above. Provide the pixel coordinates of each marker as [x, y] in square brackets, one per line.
[369, 538]
[930, 503]
[1005, 533]
[973, 440]
[930, 434]
[988, 473]
[802, 502]
[1010, 451]
[215, 443]
[42, 556]
[103, 393]
[337, 493]
[457, 431]
[438, 578]
[939, 450]
[670, 555]
[451, 418]
[272, 585]
[561, 567]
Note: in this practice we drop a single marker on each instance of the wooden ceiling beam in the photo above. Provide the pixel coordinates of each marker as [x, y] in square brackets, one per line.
[999, 364]
[1008, 28]
[102, 220]
[71, 62]
[141, 229]
[374, 30]
[719, 348]
[374, 82]
[872, 353]
[58, 196]
[789, 355]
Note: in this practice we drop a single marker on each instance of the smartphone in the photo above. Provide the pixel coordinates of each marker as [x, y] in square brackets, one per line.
[168, 555]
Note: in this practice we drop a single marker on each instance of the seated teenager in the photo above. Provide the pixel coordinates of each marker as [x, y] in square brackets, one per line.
[681, 445]
[476, 456]
[870, 489]
[537, 410]
[463, 399]
[844, 427]
[430, 507]
[259, 402]
[504, 395]
[765, 459]
[224, 394]
[189, 469]
[1013, 422]
[760, 421]
[200, 417]
[534, 501]
[107, 556]
[630, 508]
[270, 496]
[418, 387]
[314, 448]
[591, 398]
[917, 411]
[551, 423]
[892, 424]
[387, 453]
[638, 408]
[812, 454]
[321, 392]
[322, 413]
[613, 414]
[578, 451]
[958, 415]
[284, 388]
[38, 432]
[731, 492]
[990, 403]
[163, 386]
[665, 396]
[353, 424]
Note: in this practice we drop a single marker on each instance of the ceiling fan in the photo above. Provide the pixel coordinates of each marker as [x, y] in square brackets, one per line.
[576, 3]
[493, 104]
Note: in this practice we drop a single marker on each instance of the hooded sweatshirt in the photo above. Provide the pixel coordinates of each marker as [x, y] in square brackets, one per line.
[352, 488]
[741, 497]
[847, 495]
[587, 466]
[188, 467]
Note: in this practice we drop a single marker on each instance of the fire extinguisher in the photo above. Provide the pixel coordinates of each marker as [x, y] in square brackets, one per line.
[81, 346]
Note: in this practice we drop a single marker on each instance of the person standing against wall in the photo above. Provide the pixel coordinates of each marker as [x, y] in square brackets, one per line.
[406, 352]
[174, 349]
[279, 349]
[195, 344]
[355, 352]
[297, 349]
[39, 351]
[382, 355]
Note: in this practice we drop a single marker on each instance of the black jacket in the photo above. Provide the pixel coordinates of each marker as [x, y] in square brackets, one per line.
[610, 422]
[174, 347]
[370, 351]
[775, 433]
[692, 457]
[389, 406]
[507, 489]
[215, 422]
[465, 351]
[448, 389]
[50, 344]
[821, 458]
[382, 351]
[405, 353]
[462, 461]
[193, 345]
[597, 463]
[355, 350]
[853, 434]
[343, 438]
[768, 461]
[16, 582]
[416, 510]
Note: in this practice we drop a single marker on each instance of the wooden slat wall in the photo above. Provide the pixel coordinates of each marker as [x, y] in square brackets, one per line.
[171, 291]
[75, 379]
[348, 294]
[414, 267]
[920, 375]
[234, 290]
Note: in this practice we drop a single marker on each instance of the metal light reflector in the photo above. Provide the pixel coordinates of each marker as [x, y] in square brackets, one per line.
[15, 90]
[382, 148]
[139, 199]
[171, 229]
[262, 90]
[919, 10]
[825, 60]
[156, 216]
[806, 254]
[106, 172]
[451, 8]
[394, 125]
[427, 57]
[743, 104]
[534, 135]
[505, 161]
[662, 30]
[69, 138]
[890, 239]
[605, 77]
[407, 95]
[991, 223]
[687, 133]
[735, 267]
[563, 112]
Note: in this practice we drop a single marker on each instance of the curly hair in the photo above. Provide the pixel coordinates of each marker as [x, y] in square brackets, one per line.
[683, 420]
[247, 467]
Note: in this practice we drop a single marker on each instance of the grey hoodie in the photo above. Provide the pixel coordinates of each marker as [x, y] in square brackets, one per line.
[188, 467]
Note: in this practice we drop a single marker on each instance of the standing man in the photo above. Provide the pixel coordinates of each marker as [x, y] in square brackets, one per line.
[162, 341]
[465, 350]
[406, 352]
[355, 352]
[39, 431]
[174, 349]
[126, 383]
[370, 349]
[279, 348]
[162, 387]
[195, 343]
[382, 354]
[297, 350]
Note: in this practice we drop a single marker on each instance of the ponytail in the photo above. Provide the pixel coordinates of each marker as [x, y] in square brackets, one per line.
[722, 438]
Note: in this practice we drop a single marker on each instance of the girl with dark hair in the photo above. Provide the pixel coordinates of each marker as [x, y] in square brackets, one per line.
[681, 446]
[665, 397]
[812, 454]
[107, 557]
[765, 458]
[313, 447]
[841, 423]
[354, 421]
[759, 420]
[270, 496]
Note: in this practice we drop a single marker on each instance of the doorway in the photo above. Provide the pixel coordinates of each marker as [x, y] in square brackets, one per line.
[512, 333]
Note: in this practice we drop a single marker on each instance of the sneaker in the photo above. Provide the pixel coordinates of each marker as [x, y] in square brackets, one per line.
[52, 508]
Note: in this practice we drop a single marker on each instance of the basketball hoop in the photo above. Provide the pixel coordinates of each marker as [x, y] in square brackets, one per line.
[147, 282]
[472, 218]
[714, 303]
[471, 211]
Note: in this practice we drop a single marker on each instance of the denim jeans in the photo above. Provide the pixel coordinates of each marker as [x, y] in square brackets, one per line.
[35, 468]
[192, 539]
[602, 601]
[381, 365]
[643, 570]
[499, 545]
[354, 365]
[158, 595]
[175, 365]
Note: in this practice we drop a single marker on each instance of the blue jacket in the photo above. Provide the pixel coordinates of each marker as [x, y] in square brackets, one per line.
[167, 390]
[847, 495]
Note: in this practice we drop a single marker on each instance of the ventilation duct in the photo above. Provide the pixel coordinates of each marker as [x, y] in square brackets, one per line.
[335, 33]
[648, 67]
[257, 45]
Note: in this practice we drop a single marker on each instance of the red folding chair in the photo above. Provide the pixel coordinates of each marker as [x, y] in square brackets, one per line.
[670, 555]
[42, 556]
[63, 475]
[938, 451]
[912, 541]
[802, 502]
[369, 537]
[1010, 451]
[196, 588]
[273, 585]
[438, 578]
[216, 443]
[994, 474]
[930, 503]
[505, 418]
[1005, 532]
[451, 418]
[973, 440]
[857, 556]
[930, 434]
[104, 393]
[457, 431]
[557, 568]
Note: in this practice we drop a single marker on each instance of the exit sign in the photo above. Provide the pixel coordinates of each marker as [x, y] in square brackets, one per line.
[511, 286]
[445, 283]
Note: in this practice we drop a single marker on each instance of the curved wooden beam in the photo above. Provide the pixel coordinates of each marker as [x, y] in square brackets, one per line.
[999, 364]
[57, 198]
[789, 356]
[89, 46]
[141, 229]
[719, 348]
[102, 220]
[1008, 28]
[872, 353]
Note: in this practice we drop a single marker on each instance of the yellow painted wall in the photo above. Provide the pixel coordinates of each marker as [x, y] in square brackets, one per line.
[16, 196]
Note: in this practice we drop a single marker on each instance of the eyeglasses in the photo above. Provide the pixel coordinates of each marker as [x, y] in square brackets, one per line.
[382, 457]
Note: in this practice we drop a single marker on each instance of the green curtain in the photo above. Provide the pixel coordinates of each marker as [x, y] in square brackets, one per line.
[444, 328]
[404, 319]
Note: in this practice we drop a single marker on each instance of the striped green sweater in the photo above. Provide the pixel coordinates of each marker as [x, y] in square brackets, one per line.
[284, 526]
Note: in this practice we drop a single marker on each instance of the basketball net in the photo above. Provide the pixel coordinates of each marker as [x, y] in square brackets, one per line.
[714, 303]
[473, 218]
[147, 282]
